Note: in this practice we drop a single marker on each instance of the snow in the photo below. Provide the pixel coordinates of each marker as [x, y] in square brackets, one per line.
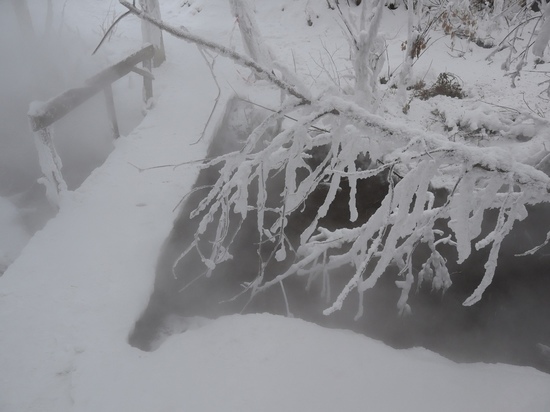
[68, 303]
[13, 237]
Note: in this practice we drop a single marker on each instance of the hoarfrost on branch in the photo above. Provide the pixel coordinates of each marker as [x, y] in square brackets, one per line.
[478, 179]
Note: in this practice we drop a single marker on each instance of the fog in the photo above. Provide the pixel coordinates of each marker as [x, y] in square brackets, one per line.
[37, 64]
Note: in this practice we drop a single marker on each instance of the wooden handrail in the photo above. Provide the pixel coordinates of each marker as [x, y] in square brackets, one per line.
[57, 107]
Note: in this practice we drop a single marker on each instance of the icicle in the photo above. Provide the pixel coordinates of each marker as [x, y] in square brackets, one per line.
[460, 208]
[504, 226]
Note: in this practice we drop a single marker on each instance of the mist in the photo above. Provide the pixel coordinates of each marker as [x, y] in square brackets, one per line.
[38, 63]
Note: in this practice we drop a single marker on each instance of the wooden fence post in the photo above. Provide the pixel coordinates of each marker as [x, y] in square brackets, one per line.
[111, 112]
[147, 83]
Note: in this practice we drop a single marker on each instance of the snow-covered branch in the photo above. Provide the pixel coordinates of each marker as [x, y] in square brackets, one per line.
[406, 220]
[263, 72]
[272, 177]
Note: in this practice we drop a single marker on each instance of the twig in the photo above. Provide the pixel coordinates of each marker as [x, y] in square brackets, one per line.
[211, 67]
[174, 166]
[288, 312]
[509, 34]
[348, 27]
[502, 107]
[195, 189]
[109, 30]
[285, 115]
[535, 112]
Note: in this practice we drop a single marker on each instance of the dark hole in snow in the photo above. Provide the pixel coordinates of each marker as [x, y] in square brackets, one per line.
[508, 325]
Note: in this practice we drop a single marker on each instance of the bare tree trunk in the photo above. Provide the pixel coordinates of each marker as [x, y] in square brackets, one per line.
[25, 21]
[49, 21]
[152, 34]
[250, 32]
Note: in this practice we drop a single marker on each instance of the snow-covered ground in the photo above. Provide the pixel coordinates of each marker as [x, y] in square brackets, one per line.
[69, 301]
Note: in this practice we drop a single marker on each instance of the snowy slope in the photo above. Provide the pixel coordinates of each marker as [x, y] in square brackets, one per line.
[69, 301]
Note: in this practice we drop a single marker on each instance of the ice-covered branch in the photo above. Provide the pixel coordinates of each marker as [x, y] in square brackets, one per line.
[488, 159]
[404, 222]
[274, 175]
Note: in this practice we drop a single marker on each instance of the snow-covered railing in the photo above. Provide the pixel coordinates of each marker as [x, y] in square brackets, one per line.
[43, 115]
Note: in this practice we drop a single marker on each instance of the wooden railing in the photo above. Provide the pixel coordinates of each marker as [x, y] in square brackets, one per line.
[43, 115]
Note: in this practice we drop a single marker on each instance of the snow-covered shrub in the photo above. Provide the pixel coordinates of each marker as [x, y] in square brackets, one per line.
[447, 84]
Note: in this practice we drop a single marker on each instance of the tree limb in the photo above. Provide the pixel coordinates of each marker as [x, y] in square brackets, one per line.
[119, 18]
[218, 48]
